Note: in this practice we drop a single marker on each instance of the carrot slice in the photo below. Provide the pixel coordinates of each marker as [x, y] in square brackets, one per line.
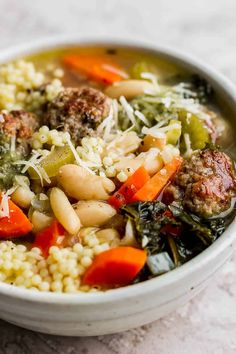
[117, 266]
[154, 186]
[98, 67]
[53, 235]
[126, 192]
[16, 225]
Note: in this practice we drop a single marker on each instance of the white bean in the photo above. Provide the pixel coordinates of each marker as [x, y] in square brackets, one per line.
[40, 221]
[129, 88]
[152, 161]
[64, 211]
[93, 212]
[126, 164]
[22, 196]
[126, 143]
[129, 238]
[78, 183]
[111, 236]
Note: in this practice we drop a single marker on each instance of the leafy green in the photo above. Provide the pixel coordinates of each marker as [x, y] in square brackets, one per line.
[202, 88]
[150, 221]
[194, 224]
[7, 168]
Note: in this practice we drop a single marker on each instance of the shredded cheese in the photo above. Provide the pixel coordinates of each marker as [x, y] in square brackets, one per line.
[76, 156]
[142, 117]
[128, 109]
[28, 164]
[153, 79]
[159, 132]
[4, 206]
[107, 124]
[44, 174]
[115, 112]
[115, 70]
[13, 143]
[187, 141]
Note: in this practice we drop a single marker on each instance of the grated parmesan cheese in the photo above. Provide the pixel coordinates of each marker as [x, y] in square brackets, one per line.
[115, 112]
[77, 158]
[107, 124]
[4, 206]
[153, 79]
[142, 117]
[13, 144]
[128, 110]
[159, 132]
[28, 164]
[187, 141]
[115, 70]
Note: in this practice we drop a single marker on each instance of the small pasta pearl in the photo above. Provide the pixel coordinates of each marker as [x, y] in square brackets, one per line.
[86, 261]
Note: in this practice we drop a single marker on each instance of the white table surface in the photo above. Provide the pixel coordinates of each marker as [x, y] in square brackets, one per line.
[205, 28]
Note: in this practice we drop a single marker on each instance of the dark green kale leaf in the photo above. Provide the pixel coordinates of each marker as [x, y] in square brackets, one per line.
[155, 226]
[148, 219]
[7, 168]
[194, 224]
[202, 88]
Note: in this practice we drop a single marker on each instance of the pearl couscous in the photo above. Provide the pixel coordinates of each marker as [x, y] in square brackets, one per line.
[110, 171]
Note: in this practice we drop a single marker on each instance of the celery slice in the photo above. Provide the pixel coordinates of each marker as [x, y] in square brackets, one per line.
[139, 68]
[172, 136]
[195, 128]
[59, 157]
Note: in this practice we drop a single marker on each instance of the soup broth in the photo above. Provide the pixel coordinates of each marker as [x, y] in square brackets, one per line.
[115, 167]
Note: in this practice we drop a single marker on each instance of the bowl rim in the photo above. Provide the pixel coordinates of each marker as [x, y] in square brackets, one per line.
[227, 239]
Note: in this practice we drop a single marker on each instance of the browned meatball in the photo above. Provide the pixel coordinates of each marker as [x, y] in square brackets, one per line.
[205, 184]
[18, 124]
[78, 111]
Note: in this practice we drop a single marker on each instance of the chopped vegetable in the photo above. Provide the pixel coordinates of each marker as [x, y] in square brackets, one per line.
[172, 136]
[188, 234]
[195, 128]
[16, 224]
[126, 192]
[8, 168]
[160, 263]
[155, 185]
[195, 225]
[117, 266]
[53, 235]
[150, 141]
[51, 164]
[98, 67]
[138, 68]
[148, 218]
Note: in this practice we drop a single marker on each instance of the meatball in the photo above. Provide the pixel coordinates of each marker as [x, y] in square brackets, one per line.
[205, 184]
[78, 111]
[18, 124]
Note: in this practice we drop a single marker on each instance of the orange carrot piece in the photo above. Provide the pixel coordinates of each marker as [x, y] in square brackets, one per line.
[98, 67]
[117, 266]
[126, 192]
[16, 225]
[53, 235]
[155, 185]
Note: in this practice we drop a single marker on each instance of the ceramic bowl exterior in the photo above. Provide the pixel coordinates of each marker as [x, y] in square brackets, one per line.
[131, 306]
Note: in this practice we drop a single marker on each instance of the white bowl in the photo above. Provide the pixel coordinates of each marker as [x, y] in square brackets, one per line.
[135, 305]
